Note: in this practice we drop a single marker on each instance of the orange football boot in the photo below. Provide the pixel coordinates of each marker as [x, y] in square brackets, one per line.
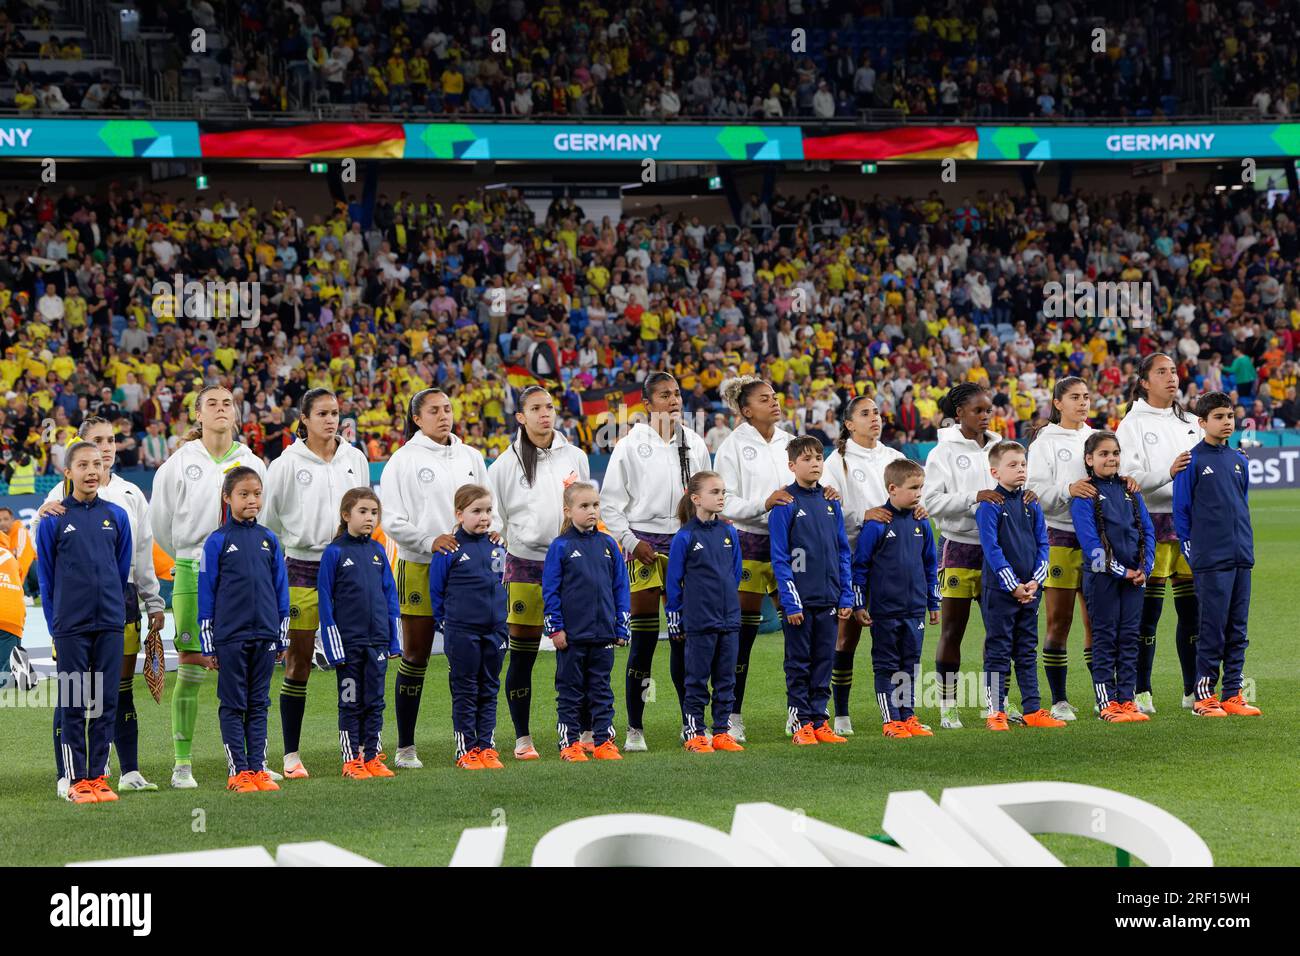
[490, 759]
[896, 728]
[376, 767]
[1237, 706]
[1134, 714]
[1114, 713]
[1208, 707]
[916, 728]
[470, 760]
[804, 736]
[573, 753]
[726, 742]
[607, 751]
[355, 769]
[242, 783]
[262, 780]
[997, 721]
[825, 735]
[83, 792]
[103, 792]
[1041, 718]
[699, 744]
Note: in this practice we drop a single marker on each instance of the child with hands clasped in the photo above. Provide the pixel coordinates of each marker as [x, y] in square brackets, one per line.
[468, 597]
[355, 577]
[243, 622]
[587, 611]
[703, 607]
[895, 582]
[1013, 537]
[1119, 548]
[813, 569]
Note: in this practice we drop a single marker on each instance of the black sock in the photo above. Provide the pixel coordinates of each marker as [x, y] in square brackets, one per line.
[842, 681]
[1152, 604]
[1055, 667]
[293, 704]
[640, 658]
[947, 672]
[409, 687]
[126, 729]
[1189, 613]
[677, 671]
[519, 681]
[748, 632]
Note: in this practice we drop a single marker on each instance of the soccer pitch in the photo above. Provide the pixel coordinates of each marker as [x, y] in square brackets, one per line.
[1232, 781]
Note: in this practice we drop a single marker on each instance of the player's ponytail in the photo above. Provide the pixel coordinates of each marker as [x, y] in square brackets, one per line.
[842, 442]
[524, 448]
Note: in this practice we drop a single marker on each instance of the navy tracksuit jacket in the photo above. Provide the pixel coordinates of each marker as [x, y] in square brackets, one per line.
[896, 578]
[814, 577]
[83, 560]
[469, 601]
[1013, 536]
[585, 594]
[1212, 518]
[244, 620]
[355, 576]
[1114, 604]
[701, 601]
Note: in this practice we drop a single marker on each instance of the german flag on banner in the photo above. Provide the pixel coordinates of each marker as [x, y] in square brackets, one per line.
[599, 403]
[519, 377]
[309, 141]
[920, 142]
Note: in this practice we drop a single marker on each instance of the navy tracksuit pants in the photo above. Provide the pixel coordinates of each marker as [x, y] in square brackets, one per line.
[582, 687]
[1115, 610]
[809, 655]
[244, 694]
[895, 659]
[475, 661]
[1011, 635]
[361, 700]
[1224, 597]
[89, 671]
[710, 655]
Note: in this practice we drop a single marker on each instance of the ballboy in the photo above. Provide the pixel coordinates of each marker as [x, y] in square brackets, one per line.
[1212, 518]
[895, 581]
[1013, 536]
[814, 579]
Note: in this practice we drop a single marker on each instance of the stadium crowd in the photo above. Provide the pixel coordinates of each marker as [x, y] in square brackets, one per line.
[900, 299]
[976, 59]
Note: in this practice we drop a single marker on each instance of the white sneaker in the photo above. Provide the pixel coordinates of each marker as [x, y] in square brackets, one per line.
[134, 781]
[791, 724]
[183, 777]
[844, 726]
[949, 719]
[293, 768]
[406, 759]
[61, 788]
[29, 600]
[1144, 702]
[1014, 716]
[587, 738]
[737, 727]
[273, 774]
[1064, 711]
[1189, 701]
[635, 743]
[708, 735]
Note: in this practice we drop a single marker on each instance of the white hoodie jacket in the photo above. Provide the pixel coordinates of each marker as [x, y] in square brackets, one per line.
[956, 471]
[752, 469]
[130, 499]
[531, 515]
[418, 490]
[1055, 463]
[303, 494]
[186, 503]
[863, 488]
[643, 483]
[1149, 441]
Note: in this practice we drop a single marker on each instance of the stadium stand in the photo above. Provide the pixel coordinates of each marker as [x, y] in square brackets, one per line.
[905, 297]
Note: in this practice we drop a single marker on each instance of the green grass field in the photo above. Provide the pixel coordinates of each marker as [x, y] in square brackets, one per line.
[1233, 781]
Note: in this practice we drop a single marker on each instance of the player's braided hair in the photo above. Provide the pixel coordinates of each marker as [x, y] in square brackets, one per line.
[958, 396]
[653, 380]
[842, 442]
[1095, 441]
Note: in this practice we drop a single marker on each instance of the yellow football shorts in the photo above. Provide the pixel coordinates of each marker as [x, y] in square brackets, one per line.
[643, 577]
[757, 577]
[960, 582]
[413, 588]
[525, 604]
[304, 609]
[1064, 568]
[1170, 561]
